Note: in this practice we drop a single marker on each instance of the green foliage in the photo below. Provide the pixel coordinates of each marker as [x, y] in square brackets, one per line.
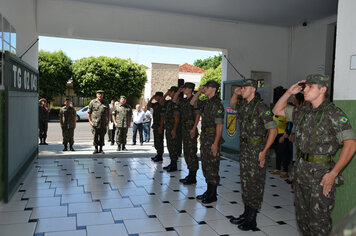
[55, 70]
[211, 74]
[211, 62]
[113, 75]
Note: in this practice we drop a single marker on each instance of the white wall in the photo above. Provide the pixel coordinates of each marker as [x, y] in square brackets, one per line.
[345, 79]
[191, 77]
[147, 94]
[22, 15]
[307, 49]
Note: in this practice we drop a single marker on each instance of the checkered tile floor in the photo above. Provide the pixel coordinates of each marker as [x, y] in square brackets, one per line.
[128, 195]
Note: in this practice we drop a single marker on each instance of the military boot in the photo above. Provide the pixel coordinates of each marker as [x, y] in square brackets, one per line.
[96, 150]
[123, 147]
[71, 148]
[185, 178]
[118, 147]
[65, 148]
[101, 150]
[173, 167]
[202, 196]
[250, 220]
[210, 196]
[167, 167]
[44, 141]
[158, 158]
[241, 218]
[192, 179]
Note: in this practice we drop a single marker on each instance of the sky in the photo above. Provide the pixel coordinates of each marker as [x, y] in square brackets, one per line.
[142, 54]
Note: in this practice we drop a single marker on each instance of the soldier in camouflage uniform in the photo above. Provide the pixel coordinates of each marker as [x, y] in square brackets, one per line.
[171, 121]
[212, 113]
[255, 120]
[157, 132]
[43, 115]
[188, 116]
[122, 118]
[98, 116]
[321, 128]
[68, 120]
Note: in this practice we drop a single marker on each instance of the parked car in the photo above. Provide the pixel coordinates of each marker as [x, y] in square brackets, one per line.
[82, 114]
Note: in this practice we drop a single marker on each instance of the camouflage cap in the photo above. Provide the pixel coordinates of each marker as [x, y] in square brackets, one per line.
[174, 88]
[160, 94]
[212, 84]
[249, 82]
[323, 80]
[189, 85]
[123, 96]
[100, 91]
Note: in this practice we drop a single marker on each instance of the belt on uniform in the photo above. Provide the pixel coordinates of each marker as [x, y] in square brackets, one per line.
[252, 140]
[211, 130]
[315, 158]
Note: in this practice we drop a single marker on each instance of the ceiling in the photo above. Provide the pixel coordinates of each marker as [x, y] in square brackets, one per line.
[269, 12]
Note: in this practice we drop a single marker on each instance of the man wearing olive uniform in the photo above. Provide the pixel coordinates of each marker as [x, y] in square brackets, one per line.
[212, 113]
[187, 116]
[43, 115]
[255, 120]
[122, 119]
[68, 120]
[321, 128]
[98, 116]
[157, 133]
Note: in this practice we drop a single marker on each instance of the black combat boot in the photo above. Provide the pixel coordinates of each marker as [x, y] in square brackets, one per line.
[101, 150]
[202, 196]
[173, 166]
[158, 158]
[210, 196]
[192, 179]
[118, 147]
[167, 167]
[241, 218]
[44, 141]
[65, 148]
[123, 147]
[185, 178]
[71, 148]
[96, 150]
[250, 221]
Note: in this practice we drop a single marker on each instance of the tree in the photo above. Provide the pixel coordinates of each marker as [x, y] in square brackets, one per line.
[113, 75]
[54, 71]
[211, 62]
[211, 74]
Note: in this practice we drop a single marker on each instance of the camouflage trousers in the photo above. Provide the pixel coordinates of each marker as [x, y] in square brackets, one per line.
[171, 144]
[99, 136]
[252, 176]
[43, 127]
[190, 149]
[68, 136]
[121, 135]
[210, 163]
[158, 141]
[313, 209]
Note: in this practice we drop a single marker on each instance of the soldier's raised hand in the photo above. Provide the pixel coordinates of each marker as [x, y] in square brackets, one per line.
[296, 88]
[237, 91]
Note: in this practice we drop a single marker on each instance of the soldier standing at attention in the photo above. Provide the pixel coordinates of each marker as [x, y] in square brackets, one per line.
[121, 117]
[68, 121]
[212, 113]
[171, 121]
[98, 116]
[321, 128]
[43, 120]
[157, 136]
[255, 119]
[188, 116]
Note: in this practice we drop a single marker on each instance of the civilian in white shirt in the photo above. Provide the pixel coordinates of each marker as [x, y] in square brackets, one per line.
[147, 124]
[138, 117]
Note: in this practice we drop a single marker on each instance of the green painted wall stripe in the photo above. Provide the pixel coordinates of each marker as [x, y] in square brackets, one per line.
[345, 194]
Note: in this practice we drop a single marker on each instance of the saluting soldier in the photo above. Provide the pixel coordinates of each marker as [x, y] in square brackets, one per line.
[157, 132]
[98, 116]
[258, 131]
[43, 115]
[122, 119]
[68, 121]
[212, 113]
[188, 116]
[321, 128]
[171, 121]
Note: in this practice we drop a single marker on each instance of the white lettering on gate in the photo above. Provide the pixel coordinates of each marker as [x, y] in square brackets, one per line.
[14, 69]
[34, 82]
[19, 79]
[26, 80]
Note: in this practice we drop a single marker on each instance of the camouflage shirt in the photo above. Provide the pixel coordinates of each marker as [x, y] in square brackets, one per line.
[99, 112]
[156, 114]
[185, 111]
[123, 115]
[254, 118]
[212, 112]
[168, 113]
[321, 130]
[67, 114]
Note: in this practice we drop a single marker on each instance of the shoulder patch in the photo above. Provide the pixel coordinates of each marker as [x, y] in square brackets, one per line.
[343, 119]
[220, 111]
[268, 113]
